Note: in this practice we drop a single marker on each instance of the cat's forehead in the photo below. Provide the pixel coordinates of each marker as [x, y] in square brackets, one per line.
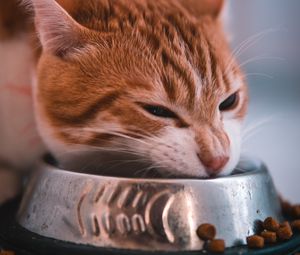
[183, 47]
[182, 60]
[171, 73]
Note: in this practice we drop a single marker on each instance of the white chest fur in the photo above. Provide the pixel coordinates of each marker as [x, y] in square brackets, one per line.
[19, 140]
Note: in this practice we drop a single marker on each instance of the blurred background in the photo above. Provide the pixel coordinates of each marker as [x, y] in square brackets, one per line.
[266, 36]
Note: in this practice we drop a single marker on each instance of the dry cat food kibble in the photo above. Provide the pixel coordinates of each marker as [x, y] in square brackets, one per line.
[217, 245]
[270, 224]
[269, 237]
[284, 232]
[206, 232]
[285, 224]
[296, 225]
[273, 231]
[255, 241]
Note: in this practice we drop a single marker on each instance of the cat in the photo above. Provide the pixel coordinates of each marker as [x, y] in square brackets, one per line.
[135, 87]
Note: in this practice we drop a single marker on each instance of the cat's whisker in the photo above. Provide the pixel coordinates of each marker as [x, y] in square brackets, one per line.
[105, 131]
[250, 133]
[89, 164]
[259, 74]
[121, 162]
[96, 130]
[254, 59]
[87, 148]
[250, 41]
[154, 168]
[105, 169]
[264, 120]
[124, 149]
[156, 139]
[254, 128]
[144, 171]
[237, 54]
[128, 160]
[150, 137]
[246, 44]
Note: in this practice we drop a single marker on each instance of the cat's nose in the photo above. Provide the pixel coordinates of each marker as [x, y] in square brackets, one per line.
[214, 165]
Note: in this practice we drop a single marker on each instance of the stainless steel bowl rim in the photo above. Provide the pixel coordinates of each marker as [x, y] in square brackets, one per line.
[255, 167]
[140, 214]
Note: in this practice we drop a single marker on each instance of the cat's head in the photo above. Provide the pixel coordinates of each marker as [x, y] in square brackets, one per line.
[140, 84]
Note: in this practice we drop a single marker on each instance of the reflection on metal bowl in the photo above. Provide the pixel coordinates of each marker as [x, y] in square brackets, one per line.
[147, 214]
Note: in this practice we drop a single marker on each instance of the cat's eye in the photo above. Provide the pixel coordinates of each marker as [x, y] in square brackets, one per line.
[159, 111]
[229, 103]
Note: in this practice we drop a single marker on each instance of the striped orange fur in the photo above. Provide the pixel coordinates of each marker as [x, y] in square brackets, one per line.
[103, 61]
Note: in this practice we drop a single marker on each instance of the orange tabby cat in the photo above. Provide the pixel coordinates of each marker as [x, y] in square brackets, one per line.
[138, 85]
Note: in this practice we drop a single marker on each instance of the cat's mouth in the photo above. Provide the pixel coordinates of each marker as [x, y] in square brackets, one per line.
[122, 166]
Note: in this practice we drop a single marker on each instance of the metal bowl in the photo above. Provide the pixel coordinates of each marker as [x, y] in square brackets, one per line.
[147, 214]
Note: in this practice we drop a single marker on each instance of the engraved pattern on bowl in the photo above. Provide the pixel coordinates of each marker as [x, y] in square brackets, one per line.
[146, 214]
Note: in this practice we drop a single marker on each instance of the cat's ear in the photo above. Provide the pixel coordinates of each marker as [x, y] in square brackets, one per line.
[59, 33]
[203, 7]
